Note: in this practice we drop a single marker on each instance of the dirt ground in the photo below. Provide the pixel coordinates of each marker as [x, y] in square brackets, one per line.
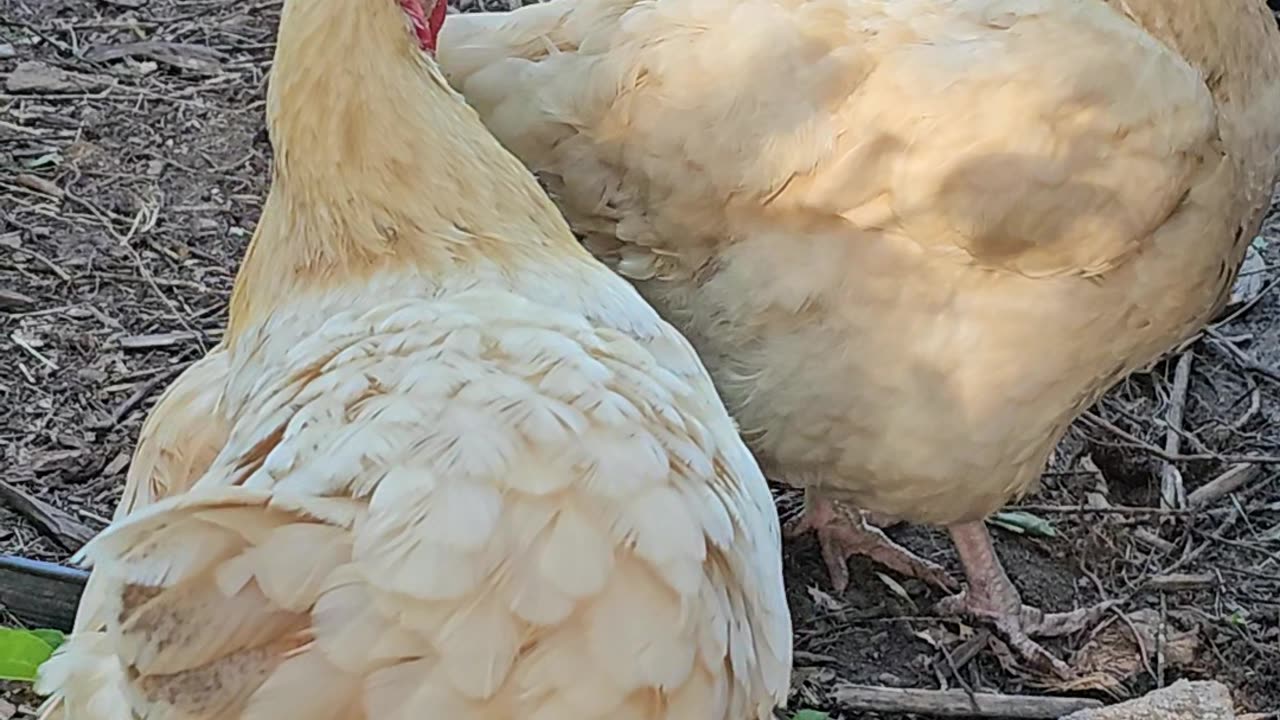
[132, 169]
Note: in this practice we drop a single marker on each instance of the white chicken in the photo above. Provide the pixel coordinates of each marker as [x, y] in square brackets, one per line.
[458, 468]
[911, 239]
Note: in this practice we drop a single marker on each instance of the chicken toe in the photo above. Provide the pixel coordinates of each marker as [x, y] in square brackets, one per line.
[993, 599]
[844, 532]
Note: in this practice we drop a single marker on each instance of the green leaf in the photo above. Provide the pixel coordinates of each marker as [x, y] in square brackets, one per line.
[55, 638]
[1023, 522]
[810, 715]
[21, 652]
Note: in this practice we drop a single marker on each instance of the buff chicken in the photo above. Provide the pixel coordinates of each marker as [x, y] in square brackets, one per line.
[911, 239]
[446, 464]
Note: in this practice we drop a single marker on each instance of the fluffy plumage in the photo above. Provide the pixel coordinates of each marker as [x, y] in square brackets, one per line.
[465, 470]
[912, 239]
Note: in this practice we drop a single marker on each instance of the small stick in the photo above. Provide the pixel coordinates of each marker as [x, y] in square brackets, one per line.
[1172, 492]
[1161, 631]
[22, 343]
[1244, 359]
[1147, 447]
[54, 523]
[142, 392]
[1112, 510]
[1255, 404]
[11, 300]
[1150, 539]
[1228, 482]
[956, 703]
[1181, 581]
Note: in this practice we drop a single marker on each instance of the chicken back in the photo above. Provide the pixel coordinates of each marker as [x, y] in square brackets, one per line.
[445, 465]
[911, 239]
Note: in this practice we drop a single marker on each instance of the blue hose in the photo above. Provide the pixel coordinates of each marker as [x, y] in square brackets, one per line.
[39, 568]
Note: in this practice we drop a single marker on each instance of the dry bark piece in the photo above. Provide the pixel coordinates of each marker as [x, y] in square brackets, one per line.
[34, 76]
[1234, 478]
[185, 56]
[13, 300]
[1183, 700]
[58, 525]
[955, 703]
[39, 184]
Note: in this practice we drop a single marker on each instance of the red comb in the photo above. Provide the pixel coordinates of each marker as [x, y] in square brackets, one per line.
[427, 29]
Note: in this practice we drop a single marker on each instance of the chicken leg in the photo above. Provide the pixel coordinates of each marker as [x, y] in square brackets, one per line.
[844, 532]
[992, 598]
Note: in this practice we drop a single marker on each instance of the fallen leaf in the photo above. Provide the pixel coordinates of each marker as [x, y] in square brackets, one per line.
[1113, 656]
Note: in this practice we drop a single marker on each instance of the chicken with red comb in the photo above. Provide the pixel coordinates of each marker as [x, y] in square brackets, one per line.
[449, 464]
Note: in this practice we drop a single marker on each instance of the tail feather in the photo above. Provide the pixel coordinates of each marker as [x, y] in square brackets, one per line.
[102, 686]
[178, 441]
[202, 598]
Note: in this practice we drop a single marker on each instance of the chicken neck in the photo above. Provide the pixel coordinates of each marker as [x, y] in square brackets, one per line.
[378, 164]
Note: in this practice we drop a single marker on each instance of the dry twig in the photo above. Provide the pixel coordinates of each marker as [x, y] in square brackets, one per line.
[1172, 492]
[58, 525]
[956, 703]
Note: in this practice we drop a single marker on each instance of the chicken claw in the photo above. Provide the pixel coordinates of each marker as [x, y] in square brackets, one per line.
[993, 599]
[844, 532]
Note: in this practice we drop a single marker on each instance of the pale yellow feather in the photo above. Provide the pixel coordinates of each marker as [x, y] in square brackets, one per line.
[911, 239]
[464, 470]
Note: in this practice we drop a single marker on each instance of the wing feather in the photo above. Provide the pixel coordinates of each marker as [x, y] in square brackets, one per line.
[534, 536]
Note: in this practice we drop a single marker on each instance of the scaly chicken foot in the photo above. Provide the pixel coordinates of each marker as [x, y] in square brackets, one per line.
[992, 598]
[844, 532]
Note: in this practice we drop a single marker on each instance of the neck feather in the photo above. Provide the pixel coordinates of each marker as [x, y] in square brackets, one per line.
[378, 164]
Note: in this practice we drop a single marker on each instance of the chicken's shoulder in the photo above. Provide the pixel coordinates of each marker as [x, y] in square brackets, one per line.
[180, 436]
[455, 507]
[1045, 137]
[178, 441]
